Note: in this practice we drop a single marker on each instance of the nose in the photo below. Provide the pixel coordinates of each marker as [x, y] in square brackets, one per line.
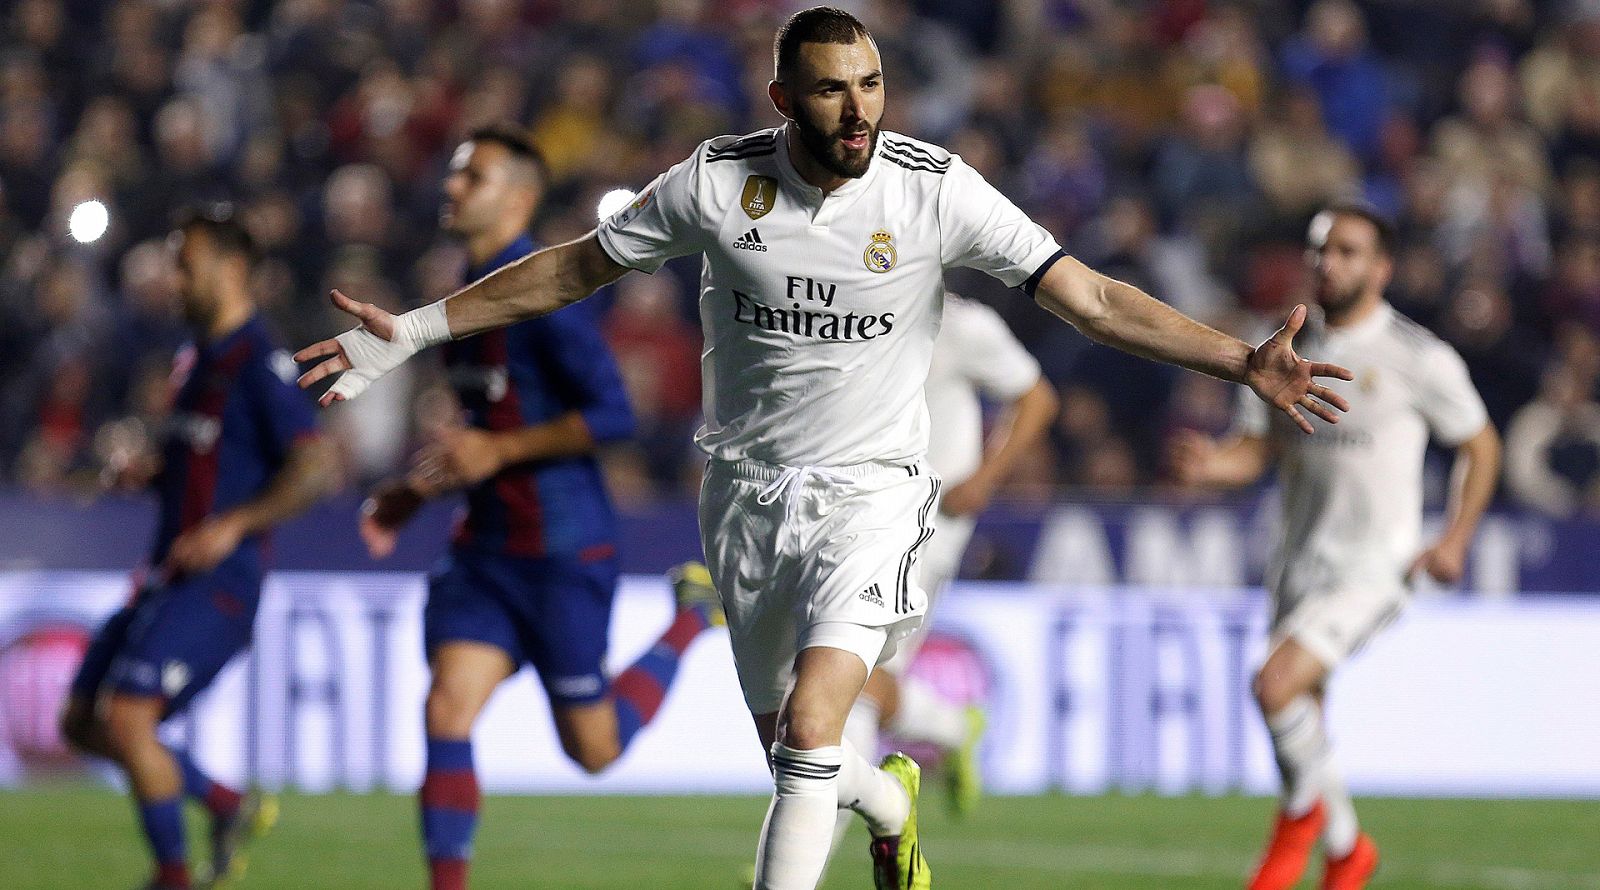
[854, 106]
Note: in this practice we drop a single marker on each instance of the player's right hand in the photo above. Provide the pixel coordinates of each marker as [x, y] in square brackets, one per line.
[363, 353]
[390, 506]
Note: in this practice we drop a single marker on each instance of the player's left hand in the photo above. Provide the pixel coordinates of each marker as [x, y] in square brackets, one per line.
[1284, 380]
[463, 456]
[202, 548]
[968, 497]
[1445, 561]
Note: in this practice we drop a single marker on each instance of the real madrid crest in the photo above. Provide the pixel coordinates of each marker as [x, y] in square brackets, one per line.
[760, 194]
[880, 255]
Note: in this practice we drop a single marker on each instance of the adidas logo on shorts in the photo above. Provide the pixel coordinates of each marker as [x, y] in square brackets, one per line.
[872, 595]
[750, 240]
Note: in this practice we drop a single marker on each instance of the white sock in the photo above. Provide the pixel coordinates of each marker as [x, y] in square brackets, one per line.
[860, 733]
[794, 839]
[1301, 750]
[1339, 832]
[925, 716]
[877, 796]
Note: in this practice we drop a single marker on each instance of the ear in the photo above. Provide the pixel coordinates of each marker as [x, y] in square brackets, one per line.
[780, 100]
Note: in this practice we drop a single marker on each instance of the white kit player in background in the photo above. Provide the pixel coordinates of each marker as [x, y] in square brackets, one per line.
[825, 243]
[976, 356]
[1352, 539]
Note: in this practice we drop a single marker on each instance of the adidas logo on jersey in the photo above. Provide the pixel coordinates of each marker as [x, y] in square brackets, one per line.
[750, 240]
[872, 595]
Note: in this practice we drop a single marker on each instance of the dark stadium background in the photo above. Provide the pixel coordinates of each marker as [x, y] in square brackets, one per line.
[1181, 145]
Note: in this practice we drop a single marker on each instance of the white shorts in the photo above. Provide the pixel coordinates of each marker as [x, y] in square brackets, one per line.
[1335, 625]
[940, 564]
[796, 552]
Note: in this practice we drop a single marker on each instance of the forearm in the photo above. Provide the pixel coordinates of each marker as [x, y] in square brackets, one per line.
[306, 477]
[1120, 315]
[565, 436]
[535, 285]
[1476, 472]
[1026, 423]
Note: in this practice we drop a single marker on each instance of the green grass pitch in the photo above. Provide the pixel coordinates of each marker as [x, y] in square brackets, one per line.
[85, 839]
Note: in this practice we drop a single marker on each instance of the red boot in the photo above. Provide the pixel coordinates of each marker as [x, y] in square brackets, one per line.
[1352, 872]
[1289, 850]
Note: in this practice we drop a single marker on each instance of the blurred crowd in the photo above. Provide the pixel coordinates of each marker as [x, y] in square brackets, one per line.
[1181, 145]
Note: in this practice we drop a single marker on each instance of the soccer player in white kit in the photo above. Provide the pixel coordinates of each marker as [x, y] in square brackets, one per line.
[1352, 540]
[975, 356]
[825, 242]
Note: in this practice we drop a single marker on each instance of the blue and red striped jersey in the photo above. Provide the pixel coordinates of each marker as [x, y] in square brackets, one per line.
[530, 373]
[236, 412]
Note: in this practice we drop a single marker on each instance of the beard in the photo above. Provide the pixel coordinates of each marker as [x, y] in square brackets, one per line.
[1335, 300]
[827, 148]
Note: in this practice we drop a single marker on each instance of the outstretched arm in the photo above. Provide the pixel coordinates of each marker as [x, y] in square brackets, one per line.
[1121, 315]
[537, 284]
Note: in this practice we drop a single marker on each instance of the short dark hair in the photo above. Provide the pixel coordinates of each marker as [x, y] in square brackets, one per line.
[515, 140]
[819, 24]
[1387, 236]
[220, 221]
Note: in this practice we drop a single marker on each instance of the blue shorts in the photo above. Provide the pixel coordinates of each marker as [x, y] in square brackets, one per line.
[551, 612]
[173, 639]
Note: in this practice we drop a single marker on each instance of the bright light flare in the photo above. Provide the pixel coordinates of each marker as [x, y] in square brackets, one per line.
[612, 201]
[88, 222]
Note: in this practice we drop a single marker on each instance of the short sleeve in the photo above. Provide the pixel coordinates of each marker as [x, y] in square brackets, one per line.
[286, 410]
[662, 222]
[1446, 397]
[981, 229]
[991, 357]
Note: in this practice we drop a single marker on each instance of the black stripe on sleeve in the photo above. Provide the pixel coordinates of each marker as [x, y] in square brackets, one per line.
[1032, 284]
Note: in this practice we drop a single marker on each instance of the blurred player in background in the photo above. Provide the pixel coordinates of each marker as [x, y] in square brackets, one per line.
[242, 454]
[825, 243]
[1352, 500]
[975, 354]
[533, 568]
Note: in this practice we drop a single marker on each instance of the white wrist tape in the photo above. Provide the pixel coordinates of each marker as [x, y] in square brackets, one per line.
[371, 356]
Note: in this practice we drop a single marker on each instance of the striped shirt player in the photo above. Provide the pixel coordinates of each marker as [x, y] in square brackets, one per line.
[539, 532]
[236, 415]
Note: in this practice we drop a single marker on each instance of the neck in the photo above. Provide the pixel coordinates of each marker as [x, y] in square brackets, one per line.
[486, 246]
[807, 166]
[233, 310]
[1355, 313]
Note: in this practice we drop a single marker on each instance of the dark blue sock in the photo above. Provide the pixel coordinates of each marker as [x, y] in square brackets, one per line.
[449, 799]
[163, 829]
[638, 691]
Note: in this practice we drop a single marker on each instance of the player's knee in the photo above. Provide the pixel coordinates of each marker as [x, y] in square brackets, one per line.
[803, 731]
[591, 756]
[450, 712]
[1272, 691]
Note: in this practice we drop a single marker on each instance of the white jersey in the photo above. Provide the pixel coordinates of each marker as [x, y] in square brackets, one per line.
[1352, 492]
[820, 312]
[975, 354]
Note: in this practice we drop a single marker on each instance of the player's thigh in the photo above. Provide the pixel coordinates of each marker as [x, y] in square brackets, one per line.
[184, 634]
[467, 604]
[827, 678]
[1333, 626]
[739, 536]
[464, 675]
[1290, 671]
[565, 623]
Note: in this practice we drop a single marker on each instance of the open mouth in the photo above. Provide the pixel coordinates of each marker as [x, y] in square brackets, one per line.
[857, 142]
